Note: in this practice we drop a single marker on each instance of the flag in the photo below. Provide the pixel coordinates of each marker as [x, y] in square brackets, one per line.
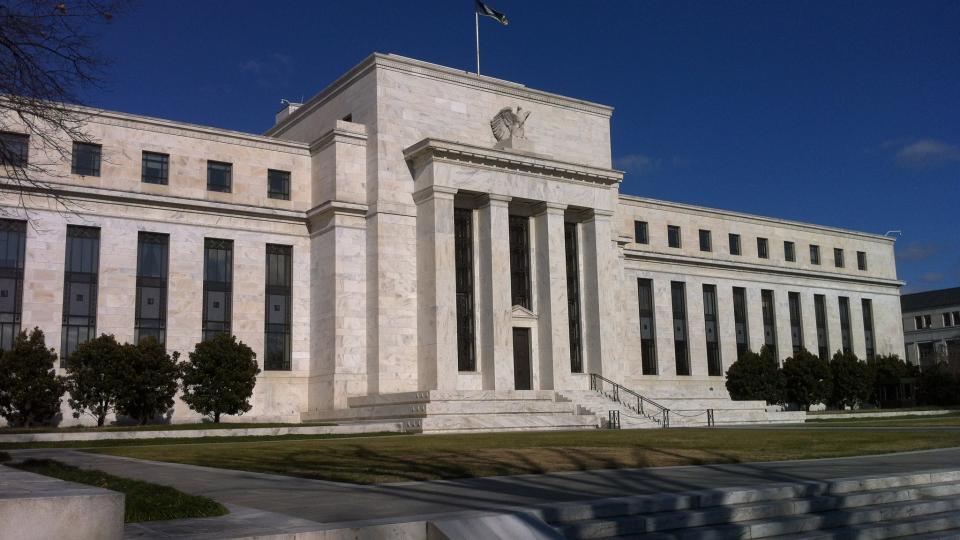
[487, 11]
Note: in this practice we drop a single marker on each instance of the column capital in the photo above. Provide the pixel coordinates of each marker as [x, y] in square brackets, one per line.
[434, 192]
[549, 208]
[598, 213]
[493, 199]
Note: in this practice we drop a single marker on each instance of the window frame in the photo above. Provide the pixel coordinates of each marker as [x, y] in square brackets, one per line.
[681, 344]
[141, 324]
[13, 232]
[283, 195]
[10, 159]
[671, 229]
[93, 150]
[145, 156]
[647, 313]
[706, 240]
[789, 251]
[763, 248]
[575, 323]
[88, 273]
[641, 232]
[213, 165]
[465, 289]
[838, 261]
[815, 254]
[733, 239]
[862, 261]
[217, 286]
[273, 287]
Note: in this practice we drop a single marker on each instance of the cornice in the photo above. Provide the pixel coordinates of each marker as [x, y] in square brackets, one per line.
[344, 132]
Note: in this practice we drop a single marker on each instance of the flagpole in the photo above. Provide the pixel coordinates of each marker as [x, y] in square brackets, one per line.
[476, 21]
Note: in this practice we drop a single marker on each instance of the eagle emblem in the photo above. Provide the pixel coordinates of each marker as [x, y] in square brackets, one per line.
[508, 124]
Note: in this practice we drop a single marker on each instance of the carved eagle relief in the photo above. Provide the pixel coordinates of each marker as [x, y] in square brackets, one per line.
[508, 124]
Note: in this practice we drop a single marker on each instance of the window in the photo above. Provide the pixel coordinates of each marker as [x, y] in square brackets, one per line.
[814, 254]
[711, 331]
[573, 296]
[217, 287]
[861, 260]
[796, 321]
[706, 244]
[640, 234]
[14, 149]
[463, 257]
[956, 318]
[762, 248]
[946, 319]
[156, 168]
[838, 257]
[845, 324]
[867, 305]
[918, 322]
[734, 240]
[277, 342]
[86, 159]
[789, 254]
[648, 335]
[823, 336]
[219, 176]
[927, 322]
[150, 319]
[680, 348]
[673, 236]
[740, 320]
[278, 184]
[79, 288]
[13, 240]
[520, 261]
[769, 321]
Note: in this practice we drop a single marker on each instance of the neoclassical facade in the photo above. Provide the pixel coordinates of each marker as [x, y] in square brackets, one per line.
[417, 228]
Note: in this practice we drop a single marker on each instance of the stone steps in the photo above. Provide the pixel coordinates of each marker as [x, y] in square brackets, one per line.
[506, 422]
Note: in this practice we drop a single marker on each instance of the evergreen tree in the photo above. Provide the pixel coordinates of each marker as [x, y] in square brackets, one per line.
[30, 390]
[808, 379]
[220, 376]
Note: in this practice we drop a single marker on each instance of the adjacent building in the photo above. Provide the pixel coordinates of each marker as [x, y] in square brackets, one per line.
[931, 327]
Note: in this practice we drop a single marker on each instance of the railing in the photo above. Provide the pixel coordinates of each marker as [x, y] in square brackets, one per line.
[628, 398]
[613, 419]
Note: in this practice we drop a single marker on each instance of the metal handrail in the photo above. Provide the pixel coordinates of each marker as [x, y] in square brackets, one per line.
[662, 414]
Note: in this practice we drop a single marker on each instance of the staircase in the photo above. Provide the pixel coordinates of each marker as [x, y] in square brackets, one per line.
[925, 505]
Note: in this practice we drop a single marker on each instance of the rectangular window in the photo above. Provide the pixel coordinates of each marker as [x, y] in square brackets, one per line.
[79, 288]
[838, 257]
[217, 287]
[648, 334]
[712, 331]
[823, 336]
[867, 305]
[640, 233]
[918, 322]
[956, 317]
[673, 236]
[278, 184]
[734, 243]
[520, 261]
[463, 257]
[86, 159]
[927, 321]
[153, 252]
[572, 253]
[861, 260]
[14, 149]
[219, 176]
[155, 168]
[13, 240]
[789, 253]
[796, 321]
[845, 324]
[769, 321]
[681, 349]
[946, 319]
[706, 242]
[763, 251]
[814, 254]
[740, 320]
[277, 322]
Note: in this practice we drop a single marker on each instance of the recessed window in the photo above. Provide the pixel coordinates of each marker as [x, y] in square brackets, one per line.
[156, 168]
[519, 237]
[150, 318]
[814, 254]
[673, 236]
[734, 244]
[277, 319]
[278, 184]
[13, 239]
[861, 260]
[219, 176]
[217, 287]
[763, 249]
[640, 234]
[706, 243]
[947, 319]
[789, 253]
[648, 335]
[463, 261]
[80, 280]
[838, 257]
[86, 159]
[14, 148]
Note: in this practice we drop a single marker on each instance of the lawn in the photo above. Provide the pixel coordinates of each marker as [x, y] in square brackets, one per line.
[430, 457]
[143, 502]
[944, 420]
[185, 440]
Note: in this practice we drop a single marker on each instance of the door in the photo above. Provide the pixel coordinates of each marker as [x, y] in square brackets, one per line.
[522, 375]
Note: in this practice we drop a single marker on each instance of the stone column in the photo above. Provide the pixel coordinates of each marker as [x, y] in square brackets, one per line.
[553, 327]
[437, 292]
[600, 276]
[496, 351]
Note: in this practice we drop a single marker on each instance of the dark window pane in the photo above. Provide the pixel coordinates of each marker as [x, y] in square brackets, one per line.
[788, 252]
[838, 257]
[680, 345]
[573, 296]
[278, 184]
[861, 260]
[14, 149]
[466, 319]
[156, 168]
[867, 305]
[673, 236]
[278, 318]
[734, 244]
[640, 233]
[706, 243]
[762, 248]
[80, 288]
[217, 287]
[13, 238]
[520, 261]
[740, 320]
[796, 321]
[648, 340]
[823, 336]
[769, 321]
[151, 305]
[814, 254]
[86, 159]
[845, 324]
[712, 331]
[219, 176]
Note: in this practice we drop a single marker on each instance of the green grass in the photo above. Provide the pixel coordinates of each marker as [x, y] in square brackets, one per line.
[157, 427]
[907, 420]
[183, 441]
[143, 502]
[430, 457]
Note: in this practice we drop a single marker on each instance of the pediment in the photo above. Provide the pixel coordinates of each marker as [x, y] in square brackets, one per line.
[520, 312]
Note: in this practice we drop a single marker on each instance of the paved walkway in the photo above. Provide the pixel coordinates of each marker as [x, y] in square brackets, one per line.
[336, 503]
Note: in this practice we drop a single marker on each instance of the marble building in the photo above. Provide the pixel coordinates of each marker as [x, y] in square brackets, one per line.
[418, 230]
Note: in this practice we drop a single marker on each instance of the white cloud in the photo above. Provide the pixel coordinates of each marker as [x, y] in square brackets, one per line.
[636, 163]
[922, 153]
[917, 252]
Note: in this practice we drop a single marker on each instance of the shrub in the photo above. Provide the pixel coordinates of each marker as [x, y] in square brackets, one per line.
[149, 380]
[808, 379]
[756, 377]
[220, 376]
[938, 386]
[94, 377]
[851, 378]
[30, 390]
[888, 371]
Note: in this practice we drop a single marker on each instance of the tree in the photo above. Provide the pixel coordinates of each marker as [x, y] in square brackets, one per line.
[852, 380]
[95, 376]
[30, 390]
[938, 386]
[150, 378]
[756, 376]
[808, 379]
[889, 374]
[220, 376]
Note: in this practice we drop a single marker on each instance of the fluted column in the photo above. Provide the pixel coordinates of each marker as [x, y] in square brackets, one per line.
[553, 328]
[496, 351]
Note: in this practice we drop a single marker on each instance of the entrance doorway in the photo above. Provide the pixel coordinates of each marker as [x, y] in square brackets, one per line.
[522, 372]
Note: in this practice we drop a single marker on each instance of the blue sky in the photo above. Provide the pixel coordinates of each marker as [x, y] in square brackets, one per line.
[841, 113]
